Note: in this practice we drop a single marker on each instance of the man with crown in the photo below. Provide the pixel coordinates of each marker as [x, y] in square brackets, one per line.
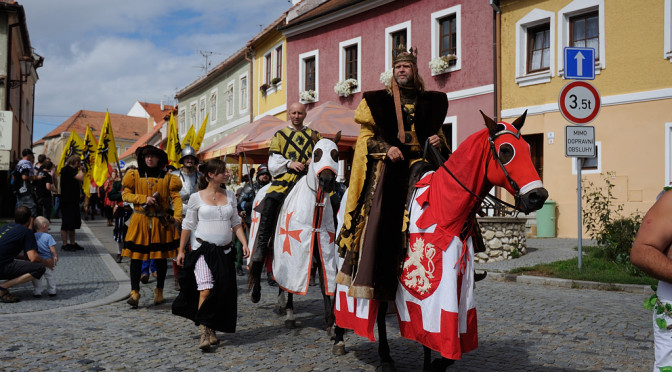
[396, 123]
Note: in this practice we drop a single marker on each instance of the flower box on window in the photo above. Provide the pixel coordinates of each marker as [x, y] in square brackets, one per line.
[263, 88]
[386, 77]
[440, 65]
[346, 87]
[308, 95]
[275, 81]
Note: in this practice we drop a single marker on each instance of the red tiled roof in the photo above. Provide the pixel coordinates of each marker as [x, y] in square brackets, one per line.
[143, 140]
[154, 110]
[125, 127]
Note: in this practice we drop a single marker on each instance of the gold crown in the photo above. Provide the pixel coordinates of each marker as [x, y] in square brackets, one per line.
[400, 54]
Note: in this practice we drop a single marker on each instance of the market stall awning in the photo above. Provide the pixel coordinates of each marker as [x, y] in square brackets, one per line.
[327, 118]
[227, 145]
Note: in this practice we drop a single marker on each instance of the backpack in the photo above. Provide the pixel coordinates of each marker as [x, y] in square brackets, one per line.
[15, 181]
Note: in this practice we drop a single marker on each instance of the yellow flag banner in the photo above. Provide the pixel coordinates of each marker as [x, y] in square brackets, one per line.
[74, 146]
[88, 159]
[188, 139]
[106, 153]
[198, 140]
[173, 146]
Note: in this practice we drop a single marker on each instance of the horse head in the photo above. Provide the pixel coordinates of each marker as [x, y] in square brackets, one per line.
[511, 164]
[324, 163]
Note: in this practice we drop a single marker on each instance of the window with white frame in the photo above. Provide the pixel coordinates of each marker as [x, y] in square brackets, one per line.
[449, 129]
[213, 106]
[201, 111]
[229, 100]
[350, 52]
[267, 68]
[182, 120]
[243, 93]
[278, 62]
[535, 48]
[581, 24]
[446, 34]
[590, 165]
[399, 34]
[193, 112]
[309, 75]
[667, 37]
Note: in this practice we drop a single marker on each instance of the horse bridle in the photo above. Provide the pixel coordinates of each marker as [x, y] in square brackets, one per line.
[495, 200]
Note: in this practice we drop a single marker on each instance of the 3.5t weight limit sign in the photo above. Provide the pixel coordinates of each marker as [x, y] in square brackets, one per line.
[579, 102]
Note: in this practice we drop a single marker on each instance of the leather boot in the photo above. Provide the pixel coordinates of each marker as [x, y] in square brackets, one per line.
[212, 337]
[134, 299]
[204, 345]
[158, 296]
[254, 279]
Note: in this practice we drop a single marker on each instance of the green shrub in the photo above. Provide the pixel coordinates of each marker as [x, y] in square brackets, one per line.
[613, 232]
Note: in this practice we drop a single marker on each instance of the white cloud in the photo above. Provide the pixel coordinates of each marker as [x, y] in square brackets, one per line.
[101, 54]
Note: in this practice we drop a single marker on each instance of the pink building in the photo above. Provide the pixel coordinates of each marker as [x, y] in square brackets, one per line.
[353, 39]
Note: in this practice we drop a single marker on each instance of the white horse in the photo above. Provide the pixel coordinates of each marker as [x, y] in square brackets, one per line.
[306, 231]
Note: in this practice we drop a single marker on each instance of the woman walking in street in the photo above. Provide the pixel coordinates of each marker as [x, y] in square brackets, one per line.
[208, 285]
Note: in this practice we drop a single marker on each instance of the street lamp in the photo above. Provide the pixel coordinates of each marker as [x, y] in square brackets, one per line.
[26, 68]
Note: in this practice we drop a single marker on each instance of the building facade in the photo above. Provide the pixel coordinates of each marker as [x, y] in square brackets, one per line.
[633, 75]
[223, 95]
[339, 40]
[268, 52]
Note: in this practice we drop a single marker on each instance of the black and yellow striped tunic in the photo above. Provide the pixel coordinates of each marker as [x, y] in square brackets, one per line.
[294, 145]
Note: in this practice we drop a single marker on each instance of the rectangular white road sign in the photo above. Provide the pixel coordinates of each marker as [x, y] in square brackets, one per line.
[580, 141]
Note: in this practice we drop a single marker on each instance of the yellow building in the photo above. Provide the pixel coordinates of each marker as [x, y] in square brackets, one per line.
[269, 69]
[633, 74]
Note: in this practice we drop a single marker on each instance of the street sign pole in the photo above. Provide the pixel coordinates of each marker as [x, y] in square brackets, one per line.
[579, 165]
[579, 102]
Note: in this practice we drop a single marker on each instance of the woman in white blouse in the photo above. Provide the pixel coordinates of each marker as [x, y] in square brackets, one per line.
[209, 224]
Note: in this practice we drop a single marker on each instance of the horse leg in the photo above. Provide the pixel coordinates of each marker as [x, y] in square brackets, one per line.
[436, 365]
[386, 362]
[282, 302]
[290, 319]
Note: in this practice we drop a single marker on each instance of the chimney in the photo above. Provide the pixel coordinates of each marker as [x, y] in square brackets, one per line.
[162, 104]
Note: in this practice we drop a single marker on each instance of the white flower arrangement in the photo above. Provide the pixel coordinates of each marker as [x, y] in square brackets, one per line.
[307, 95]
[386, 77]
[346, 87]
[439, 65]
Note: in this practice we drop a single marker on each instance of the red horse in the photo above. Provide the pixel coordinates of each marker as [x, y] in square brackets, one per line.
[435, 293]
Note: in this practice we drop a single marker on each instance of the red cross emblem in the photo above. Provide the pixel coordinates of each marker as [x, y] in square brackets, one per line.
[289, 233]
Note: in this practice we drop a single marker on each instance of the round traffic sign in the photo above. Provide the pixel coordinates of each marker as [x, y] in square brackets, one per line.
[579, 102]
[122, 164]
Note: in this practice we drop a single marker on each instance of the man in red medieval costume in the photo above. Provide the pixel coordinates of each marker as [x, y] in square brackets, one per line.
[395, 125]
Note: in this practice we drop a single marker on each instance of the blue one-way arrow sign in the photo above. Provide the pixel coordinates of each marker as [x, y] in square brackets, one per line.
[579, 63]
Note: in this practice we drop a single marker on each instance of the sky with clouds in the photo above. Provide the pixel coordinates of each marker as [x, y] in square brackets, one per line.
[101, 55]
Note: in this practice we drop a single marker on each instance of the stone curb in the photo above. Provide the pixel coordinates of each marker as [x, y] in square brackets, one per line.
[122, 279]
[568, 283]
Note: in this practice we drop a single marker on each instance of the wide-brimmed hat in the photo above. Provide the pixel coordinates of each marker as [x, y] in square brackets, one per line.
[143, 151]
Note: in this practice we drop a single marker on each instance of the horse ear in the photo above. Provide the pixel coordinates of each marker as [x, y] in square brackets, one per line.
[518, 123]
[313, 136]
[492, 126]
[338, 137]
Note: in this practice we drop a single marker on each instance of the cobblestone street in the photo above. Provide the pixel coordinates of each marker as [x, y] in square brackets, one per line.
[522, 327]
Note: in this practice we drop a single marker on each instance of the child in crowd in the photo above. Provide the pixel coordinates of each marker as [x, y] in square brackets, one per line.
[46, 248]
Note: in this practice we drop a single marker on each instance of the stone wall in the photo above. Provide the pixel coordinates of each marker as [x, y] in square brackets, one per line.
[504, 238]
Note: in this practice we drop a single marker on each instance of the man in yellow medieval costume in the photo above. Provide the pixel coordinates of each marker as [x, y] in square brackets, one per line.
[289, 155]
[152, 232]
[395, 125]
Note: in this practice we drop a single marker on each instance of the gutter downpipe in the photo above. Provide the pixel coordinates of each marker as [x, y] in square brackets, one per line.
[496, 66]
[497, 57]
[249, 56]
